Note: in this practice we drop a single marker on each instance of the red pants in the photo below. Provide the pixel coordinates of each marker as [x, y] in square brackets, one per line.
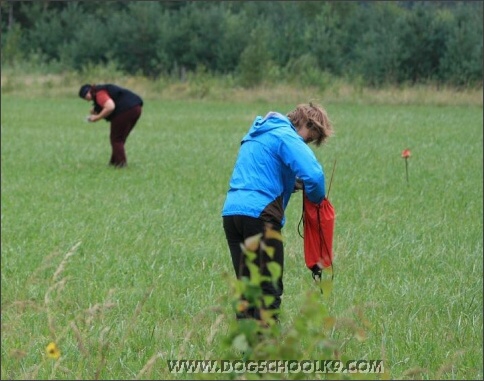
[121, 127]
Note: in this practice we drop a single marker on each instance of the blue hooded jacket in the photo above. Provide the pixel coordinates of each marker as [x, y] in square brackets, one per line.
[271, 156]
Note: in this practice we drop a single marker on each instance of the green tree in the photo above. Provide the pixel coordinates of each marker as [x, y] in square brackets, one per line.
[135, 35]
[381, 42]
[323, 39]
[255, 59]
[228, 52]
[421, 41]
[376, 51]
[11, 53]
[461, 63]
[52, 29]
[88, 48]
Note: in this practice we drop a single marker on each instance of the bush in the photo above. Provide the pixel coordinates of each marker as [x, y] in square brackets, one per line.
[308, 339]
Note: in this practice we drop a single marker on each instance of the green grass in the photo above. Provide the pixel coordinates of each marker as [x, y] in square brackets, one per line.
[125, 269]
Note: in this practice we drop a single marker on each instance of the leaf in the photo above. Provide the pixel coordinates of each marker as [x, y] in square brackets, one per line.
[360, 335]
[268, 249]
[252, 243]
[240, 343]
[268, 300]
[329, 322]
[253, 294]
[275, 270]
[326, 287]
[254, 273]
[242, 305]
[273, 234]
[328, 271]
[250, 256]
[239, 287]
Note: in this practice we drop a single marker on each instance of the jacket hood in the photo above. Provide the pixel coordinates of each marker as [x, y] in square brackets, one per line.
[270, 122]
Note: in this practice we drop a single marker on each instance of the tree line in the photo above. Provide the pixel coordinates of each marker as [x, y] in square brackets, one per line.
[373, 42]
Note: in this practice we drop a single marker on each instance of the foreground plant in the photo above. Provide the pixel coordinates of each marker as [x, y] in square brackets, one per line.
[303, 350]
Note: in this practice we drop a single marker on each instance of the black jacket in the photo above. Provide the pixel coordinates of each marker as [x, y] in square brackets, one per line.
[124, 99]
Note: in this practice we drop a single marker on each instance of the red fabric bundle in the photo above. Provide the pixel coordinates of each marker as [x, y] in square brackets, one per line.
[318, 220]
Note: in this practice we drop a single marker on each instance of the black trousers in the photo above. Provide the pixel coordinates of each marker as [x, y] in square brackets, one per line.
[237, 229]
[121, 126]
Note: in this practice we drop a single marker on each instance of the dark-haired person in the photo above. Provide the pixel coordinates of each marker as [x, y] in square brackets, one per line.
[272, 156]
[121, 107]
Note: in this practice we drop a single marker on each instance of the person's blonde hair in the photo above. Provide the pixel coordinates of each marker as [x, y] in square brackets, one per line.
[316, 119]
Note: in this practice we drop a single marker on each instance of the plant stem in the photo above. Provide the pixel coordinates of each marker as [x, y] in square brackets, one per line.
[406, 168]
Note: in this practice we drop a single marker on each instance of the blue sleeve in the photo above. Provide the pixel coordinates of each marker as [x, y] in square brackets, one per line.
[302, 162]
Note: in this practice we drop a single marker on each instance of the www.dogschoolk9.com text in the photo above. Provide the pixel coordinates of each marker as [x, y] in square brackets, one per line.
[275, 366]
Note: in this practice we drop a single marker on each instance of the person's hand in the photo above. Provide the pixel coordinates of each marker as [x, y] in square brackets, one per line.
[299, 185]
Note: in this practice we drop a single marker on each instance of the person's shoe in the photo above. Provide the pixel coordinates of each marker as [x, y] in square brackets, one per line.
[118, 165]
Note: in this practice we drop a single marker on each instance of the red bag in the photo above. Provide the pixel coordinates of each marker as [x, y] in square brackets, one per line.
[318, 220]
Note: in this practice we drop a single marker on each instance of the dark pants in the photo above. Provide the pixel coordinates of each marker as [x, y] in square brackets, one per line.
[237, 229]
[121, 126]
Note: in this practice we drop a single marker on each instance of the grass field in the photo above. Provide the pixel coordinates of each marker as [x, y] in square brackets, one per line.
[125, 269]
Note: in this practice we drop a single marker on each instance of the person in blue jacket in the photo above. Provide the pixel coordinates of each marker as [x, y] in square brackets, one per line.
[273, 162]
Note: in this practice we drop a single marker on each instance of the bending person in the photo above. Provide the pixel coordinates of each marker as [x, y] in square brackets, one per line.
[121, 107]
